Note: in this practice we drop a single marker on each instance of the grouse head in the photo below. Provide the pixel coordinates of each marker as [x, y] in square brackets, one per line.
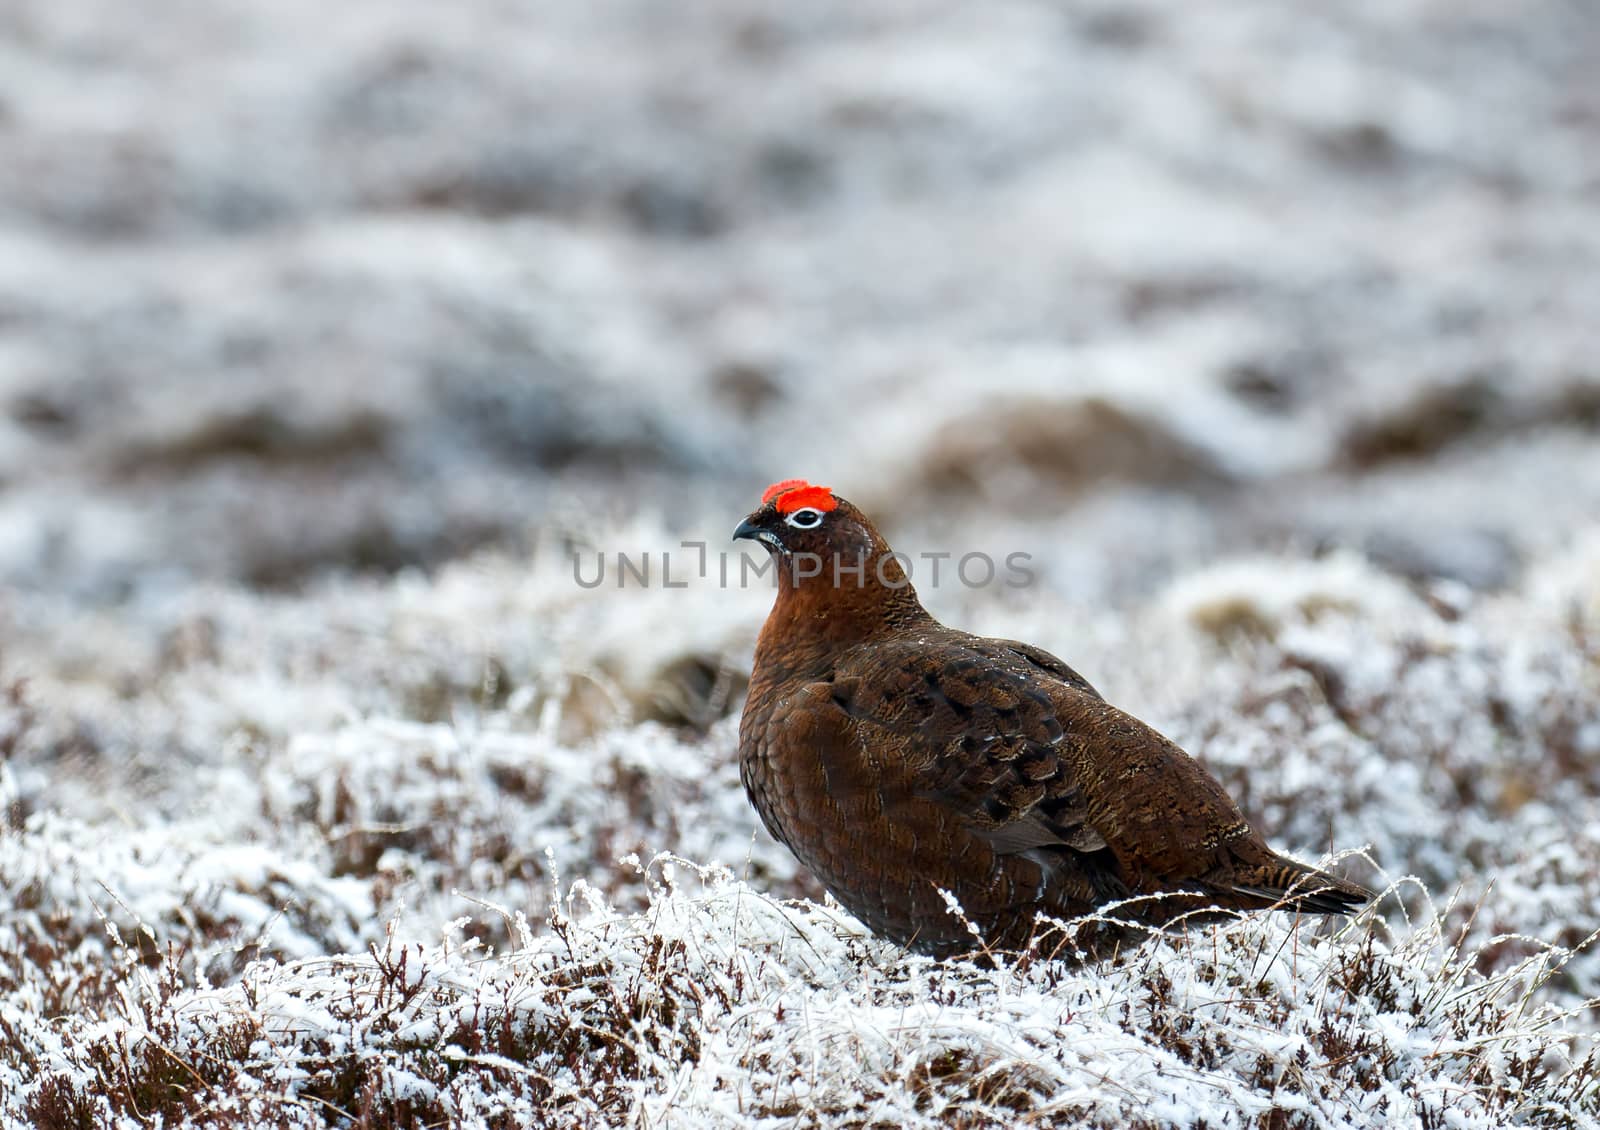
[805, 526]
[829, 556]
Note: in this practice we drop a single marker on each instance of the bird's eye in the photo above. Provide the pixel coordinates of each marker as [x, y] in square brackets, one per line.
[805, 519]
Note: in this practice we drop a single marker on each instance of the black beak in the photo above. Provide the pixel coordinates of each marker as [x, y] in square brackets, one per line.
[755, 529]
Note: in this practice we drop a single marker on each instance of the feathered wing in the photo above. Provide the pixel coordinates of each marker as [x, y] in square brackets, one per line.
[1040, 767]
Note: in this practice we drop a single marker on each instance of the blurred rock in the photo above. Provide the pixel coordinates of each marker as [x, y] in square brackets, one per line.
[261, 434]
[695, 691]
[1431, 419]
[748, 387]
[1065, 445]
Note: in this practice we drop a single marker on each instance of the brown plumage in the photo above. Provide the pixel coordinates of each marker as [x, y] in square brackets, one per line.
[896, 756]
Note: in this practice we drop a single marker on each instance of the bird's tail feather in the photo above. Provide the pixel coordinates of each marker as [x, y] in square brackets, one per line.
[1294, 886]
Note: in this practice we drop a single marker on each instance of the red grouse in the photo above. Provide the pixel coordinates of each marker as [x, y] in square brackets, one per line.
[898, 758]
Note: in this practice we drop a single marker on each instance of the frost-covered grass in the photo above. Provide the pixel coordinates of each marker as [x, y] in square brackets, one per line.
[716, 1005]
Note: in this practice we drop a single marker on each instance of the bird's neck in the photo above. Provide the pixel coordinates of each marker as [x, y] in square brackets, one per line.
[813, 619]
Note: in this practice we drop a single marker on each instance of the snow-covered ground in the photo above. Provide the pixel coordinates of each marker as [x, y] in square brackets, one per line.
[331, 335]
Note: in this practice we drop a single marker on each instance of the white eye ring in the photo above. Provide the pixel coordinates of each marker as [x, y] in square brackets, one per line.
[805, 519]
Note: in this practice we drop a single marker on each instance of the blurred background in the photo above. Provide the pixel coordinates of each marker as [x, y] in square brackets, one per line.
[289, 290]
[329, 331]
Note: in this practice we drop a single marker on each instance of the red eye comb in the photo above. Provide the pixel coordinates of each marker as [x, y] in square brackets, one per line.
[797, 494]
[778, 488]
